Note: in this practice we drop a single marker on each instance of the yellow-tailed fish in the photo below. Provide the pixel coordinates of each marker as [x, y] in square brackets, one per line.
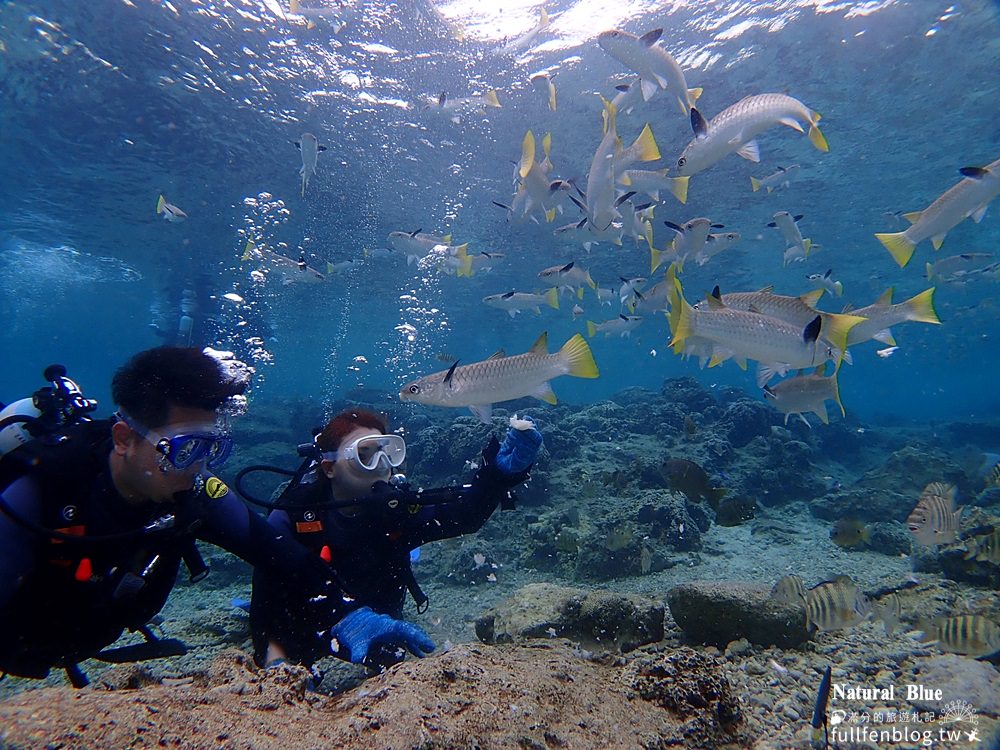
[733, 130]
[778, 346]
[657, 69]
[826, 282]
[628, 96]
[798, 311]
[882, 315]
[601, 194]
[969, 198]
[526, 40]
[337, 16]
[716, 243]
[543, 84]
[623, 325]
[502, 378]
[651, 182]
[805, 394]
[415, 245]
[454, 107]
[169, 211]
[570, 276]
[781, 178]
[957, 267]
[289, 270]
[515, 302]
[797, 247]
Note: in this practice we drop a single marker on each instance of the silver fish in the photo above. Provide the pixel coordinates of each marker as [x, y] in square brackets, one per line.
[503, 378]
[309, 149]
[733, 130]
[969, 198]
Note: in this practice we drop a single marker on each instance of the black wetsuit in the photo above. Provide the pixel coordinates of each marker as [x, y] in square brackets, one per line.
[370, 552]
[63, 601]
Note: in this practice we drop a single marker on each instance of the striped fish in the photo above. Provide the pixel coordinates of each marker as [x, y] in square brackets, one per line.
[969, 635]
[790, 590]
[934, 519]
[503, 378]
[835, 605]
[984, 547]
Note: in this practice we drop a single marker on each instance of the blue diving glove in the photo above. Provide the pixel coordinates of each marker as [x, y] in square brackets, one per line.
[520, 446]
[362, 629]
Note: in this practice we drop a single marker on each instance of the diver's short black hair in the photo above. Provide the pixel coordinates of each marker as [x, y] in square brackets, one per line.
[152, 381]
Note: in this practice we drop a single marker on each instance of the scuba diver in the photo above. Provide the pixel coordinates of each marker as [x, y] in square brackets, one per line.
[96, 517]
[346, 506]
[180, 313]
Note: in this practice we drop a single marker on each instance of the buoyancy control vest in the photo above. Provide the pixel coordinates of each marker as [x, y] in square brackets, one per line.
[99, 565]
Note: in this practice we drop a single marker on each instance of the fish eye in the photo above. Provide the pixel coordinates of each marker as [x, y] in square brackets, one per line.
[414, 389]
[681, 162]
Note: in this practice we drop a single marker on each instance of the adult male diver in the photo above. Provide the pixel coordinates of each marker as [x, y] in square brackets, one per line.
[96, 519]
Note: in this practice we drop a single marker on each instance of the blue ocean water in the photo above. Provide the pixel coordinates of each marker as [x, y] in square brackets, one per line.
[106, 105]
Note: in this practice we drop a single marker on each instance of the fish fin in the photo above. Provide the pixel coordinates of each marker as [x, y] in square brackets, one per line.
[766, 372]
[552, 298]
[938, 240]
[714, 300]
[681, 318]
[160, 204]
[930, 271]
[451, 373]
[527, 154]
[979, 213]
[679, 188]
[838, 289]
[836, 327]
[552, 96]
[811, 331]
[513, 313]
[297, 145]
[651, 37]
[649, 88]
[913, 216]
[577, 355]
[741, 362]
[885, 336]
[754, 184]
[812, 298]
[698, 123]
[646, 146]
[921, 308]
[718, 357]
[899, 246]
[483, 412]
[694, 95]
[801, 416]
[820, 411]
[545, 393]
[792, 123]
[249, 251]
[550, 215]
[817, 139]
[749, 151]
[541, 345]
[836, 391]
[321, 148]
[490, 99]
[975, 173]
[591, 329]
[498, 354]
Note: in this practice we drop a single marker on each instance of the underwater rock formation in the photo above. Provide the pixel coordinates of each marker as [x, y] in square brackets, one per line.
[719, 612]
[596, 620]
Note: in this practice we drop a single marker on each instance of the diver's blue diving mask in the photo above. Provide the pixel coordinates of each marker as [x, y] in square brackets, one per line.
[372, 452]
[188, 446]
